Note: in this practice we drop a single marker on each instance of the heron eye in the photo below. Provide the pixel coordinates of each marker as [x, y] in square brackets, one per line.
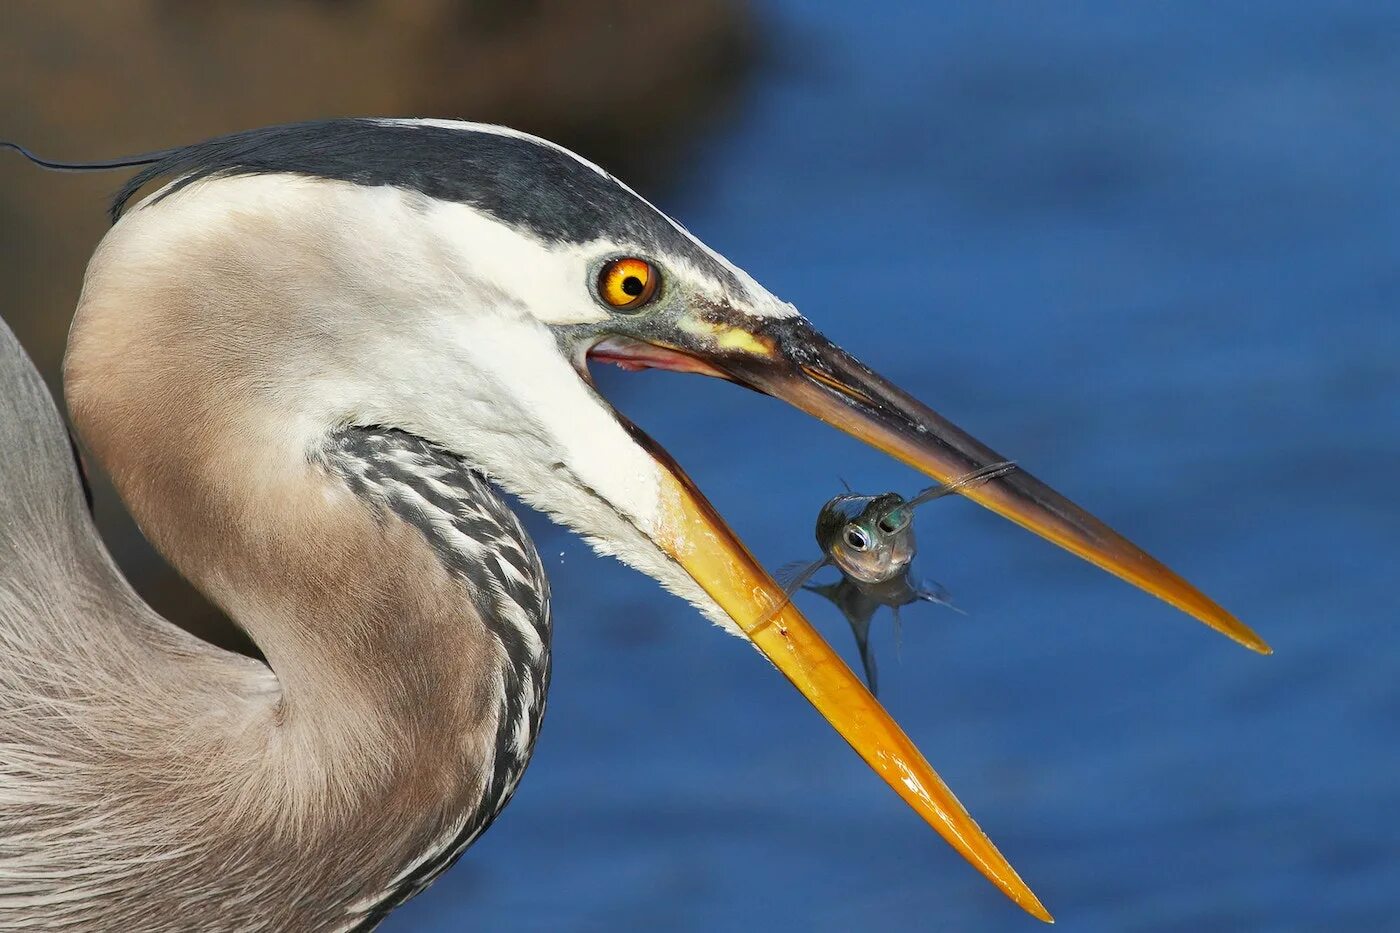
[627, 284]
[857, 539]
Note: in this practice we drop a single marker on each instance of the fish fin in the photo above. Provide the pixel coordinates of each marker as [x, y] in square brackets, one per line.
[975, 478]
[794, 573]
[791, 576]
[933, 592]
[898, 635]
[861, 629]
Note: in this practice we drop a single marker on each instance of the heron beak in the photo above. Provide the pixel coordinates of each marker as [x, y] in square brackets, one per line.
[793, 362]
[789, 360]
[696, 537]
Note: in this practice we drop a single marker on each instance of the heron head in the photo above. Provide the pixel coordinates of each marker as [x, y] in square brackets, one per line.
[454, 281]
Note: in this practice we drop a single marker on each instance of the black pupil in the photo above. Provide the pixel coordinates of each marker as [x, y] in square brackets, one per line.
[632, 286]
[855, 539]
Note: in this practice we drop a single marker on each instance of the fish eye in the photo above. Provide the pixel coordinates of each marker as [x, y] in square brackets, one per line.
[856, 538]
[894, 521]
[628, 283]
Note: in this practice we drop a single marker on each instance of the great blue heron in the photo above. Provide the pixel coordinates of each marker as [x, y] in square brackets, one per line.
[304, 362]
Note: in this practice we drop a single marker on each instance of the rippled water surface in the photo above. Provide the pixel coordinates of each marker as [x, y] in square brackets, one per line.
[1151, 255]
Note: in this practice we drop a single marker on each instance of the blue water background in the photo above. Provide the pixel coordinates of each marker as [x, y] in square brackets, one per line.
[1149, 250]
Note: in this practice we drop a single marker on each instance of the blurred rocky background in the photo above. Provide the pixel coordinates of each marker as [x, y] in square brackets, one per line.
[627, 83]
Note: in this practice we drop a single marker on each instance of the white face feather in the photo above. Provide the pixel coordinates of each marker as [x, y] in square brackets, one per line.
[761, 303]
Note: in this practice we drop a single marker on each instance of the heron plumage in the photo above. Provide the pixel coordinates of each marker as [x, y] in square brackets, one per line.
[183, 755]
[299, 362]
[397, 720]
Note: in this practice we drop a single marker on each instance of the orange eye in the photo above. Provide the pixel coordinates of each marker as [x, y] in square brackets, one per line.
[628, 283]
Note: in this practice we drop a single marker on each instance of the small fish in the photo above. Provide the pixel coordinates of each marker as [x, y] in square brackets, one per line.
[870, 540]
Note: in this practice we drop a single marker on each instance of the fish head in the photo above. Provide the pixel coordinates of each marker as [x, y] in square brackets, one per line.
[869, 538]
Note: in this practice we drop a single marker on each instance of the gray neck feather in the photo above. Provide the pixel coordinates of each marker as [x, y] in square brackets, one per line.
[480, 540]
[156, 783]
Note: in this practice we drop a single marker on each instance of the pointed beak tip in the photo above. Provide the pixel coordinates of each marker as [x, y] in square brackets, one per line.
[1023, 897]
[1246, 636]
[1232, 628]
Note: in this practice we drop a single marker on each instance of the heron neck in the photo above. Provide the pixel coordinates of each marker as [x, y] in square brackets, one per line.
[412, 679]
[209, 377]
